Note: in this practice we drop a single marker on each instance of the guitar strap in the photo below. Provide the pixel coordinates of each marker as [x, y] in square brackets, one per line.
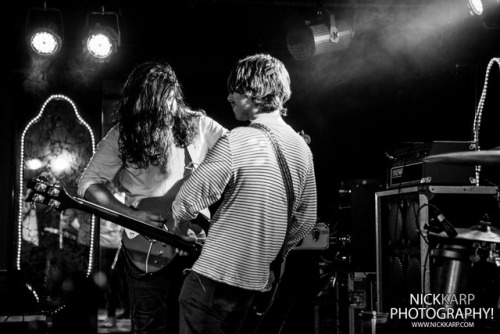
[190, 163]
[277, 264]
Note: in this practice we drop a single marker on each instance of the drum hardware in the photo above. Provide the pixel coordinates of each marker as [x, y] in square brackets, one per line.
[451, 269]
[481, 232]
[475, 258]
[440, 224]
[486, 251]
[459, 263]
[494, 256]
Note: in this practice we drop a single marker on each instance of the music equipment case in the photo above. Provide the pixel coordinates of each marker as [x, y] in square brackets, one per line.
[361, 290]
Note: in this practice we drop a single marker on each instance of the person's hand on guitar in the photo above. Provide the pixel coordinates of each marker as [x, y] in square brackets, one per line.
[185, 232]
[149, 218]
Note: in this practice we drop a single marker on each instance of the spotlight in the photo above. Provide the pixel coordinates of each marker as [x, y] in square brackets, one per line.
[103, 35]
[102, 42]
[476, 7]
[44, 30]
[313, 40]
[487, 10]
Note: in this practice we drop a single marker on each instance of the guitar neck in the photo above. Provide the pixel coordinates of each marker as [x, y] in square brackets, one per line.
[135, 225]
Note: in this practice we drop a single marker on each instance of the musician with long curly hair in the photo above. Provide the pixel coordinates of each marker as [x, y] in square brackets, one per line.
[155, 142]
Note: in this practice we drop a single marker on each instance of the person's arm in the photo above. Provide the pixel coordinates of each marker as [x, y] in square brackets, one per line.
[104, 165]
[204, 187]
[305, 216]
[100, 194]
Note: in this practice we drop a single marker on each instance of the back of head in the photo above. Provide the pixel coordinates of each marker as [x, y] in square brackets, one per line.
[145, 93]
[262, 78]
[148, 120]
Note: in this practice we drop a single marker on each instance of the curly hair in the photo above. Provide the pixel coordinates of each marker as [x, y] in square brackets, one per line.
[264, 79]
[147, 124]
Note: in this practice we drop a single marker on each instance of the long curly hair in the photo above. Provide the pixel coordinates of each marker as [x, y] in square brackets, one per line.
[147, 123]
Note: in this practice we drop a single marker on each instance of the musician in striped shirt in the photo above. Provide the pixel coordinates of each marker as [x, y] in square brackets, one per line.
[249, 227]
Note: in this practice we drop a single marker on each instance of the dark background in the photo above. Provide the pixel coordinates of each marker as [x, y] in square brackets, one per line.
[414, 72]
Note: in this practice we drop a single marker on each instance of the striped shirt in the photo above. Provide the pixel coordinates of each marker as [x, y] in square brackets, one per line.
[248, 229]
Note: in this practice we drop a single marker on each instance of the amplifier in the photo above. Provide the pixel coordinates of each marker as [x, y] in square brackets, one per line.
[407, 166]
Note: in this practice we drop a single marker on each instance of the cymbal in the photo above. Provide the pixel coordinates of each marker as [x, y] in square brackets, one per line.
[486, 158]
[475, 233]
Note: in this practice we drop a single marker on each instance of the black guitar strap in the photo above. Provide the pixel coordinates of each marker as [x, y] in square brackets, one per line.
[277, 264]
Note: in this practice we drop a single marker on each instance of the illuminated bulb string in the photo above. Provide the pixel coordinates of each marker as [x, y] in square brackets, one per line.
[21, 173]
[479, 113]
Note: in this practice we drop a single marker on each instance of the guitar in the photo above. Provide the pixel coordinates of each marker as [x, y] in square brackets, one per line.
[153, 244]
[145, 252]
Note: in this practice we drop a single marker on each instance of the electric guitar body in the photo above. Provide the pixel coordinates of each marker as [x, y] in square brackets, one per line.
[152, 248]
[148, 254]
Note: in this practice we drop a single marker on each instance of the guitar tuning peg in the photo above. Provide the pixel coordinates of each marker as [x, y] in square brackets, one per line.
[38, 198]
[40, 187]
[53, 191]
[305, 136]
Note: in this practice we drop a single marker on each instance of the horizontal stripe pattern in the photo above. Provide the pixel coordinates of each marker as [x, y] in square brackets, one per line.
[249, 227]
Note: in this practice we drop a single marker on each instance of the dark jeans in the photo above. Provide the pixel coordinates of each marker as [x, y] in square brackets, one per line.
[112, 289]
[207, 306]
[154, 297]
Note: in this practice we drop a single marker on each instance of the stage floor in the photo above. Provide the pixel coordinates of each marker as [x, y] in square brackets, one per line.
[106, 325]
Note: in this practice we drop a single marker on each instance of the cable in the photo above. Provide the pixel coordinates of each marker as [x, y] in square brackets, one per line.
[417, 219]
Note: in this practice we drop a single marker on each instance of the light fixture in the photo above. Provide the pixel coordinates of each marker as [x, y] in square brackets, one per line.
[44, 28]
[103, 35]
[324, 37]
[476, 7]
[488, 12]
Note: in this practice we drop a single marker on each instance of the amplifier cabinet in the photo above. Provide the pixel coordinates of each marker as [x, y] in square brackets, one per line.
[401, 218]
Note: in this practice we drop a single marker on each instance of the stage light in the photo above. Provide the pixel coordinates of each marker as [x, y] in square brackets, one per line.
[103, 35]
[34, 164]
[488, 11]
[45, 41]
[44, 28]
[476, 7]
[102, 42]
[312, 40]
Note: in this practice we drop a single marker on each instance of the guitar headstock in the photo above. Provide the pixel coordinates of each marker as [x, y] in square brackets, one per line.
[52, 195]
[305, 136]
